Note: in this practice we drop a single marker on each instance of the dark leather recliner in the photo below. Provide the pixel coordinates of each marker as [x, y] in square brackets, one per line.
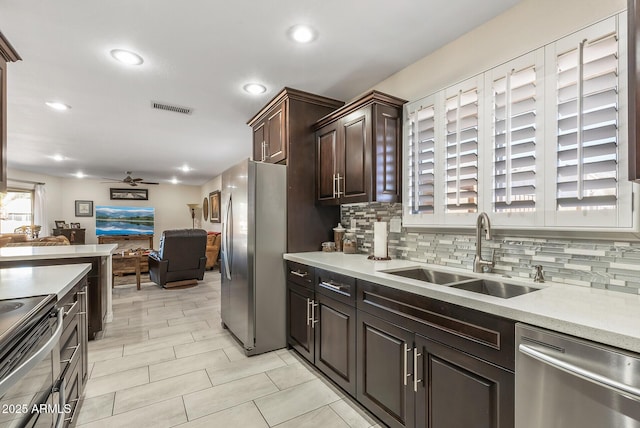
[182, 256]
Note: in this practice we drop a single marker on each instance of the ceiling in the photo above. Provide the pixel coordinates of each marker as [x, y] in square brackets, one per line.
[197, 54]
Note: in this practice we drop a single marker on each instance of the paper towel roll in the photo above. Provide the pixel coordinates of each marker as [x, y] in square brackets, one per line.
[380, 239]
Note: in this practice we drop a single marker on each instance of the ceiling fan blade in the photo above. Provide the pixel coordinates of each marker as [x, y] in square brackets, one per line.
[147, 182]
[137, 179]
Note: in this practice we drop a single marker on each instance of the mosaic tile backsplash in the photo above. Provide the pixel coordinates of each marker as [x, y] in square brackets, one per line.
[599, 263]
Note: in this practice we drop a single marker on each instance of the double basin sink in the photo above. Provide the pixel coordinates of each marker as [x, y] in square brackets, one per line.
[504, 290]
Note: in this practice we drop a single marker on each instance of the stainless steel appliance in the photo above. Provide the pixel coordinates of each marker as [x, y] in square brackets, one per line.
[253, 241]
[566, 382]
[30, 391]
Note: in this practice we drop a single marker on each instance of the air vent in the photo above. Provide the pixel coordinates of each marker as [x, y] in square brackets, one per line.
[169, 107]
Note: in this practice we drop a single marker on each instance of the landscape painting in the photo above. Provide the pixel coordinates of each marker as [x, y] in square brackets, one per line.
[124, 220]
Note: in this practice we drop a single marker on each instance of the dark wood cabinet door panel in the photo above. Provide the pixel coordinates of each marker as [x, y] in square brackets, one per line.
[299, 332]
[258, 141]
[388, 156]
[327, 142]
[458, 390]
[276, 147]
[382, 372]
[355, 182]
[335, 346]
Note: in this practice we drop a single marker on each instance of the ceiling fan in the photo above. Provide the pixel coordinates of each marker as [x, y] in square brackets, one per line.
[130, 180]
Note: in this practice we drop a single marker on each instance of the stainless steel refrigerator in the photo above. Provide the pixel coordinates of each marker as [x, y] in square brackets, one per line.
[254, 237]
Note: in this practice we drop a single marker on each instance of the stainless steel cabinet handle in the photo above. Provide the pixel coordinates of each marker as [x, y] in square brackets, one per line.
[416, 354]
[330, 285]
[314, 305]
[406, 375]
[75, 350]
[71, 308]
[308, 310]
[338, 185]
[300, 274]
[13, 377]
[61, 401]
[335, 182]
[81, 293]
[622, 388]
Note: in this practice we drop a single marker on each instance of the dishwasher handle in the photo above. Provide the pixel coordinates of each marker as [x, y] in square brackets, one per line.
[628, 391]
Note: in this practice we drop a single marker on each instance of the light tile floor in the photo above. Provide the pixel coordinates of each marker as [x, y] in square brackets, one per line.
[165, 361]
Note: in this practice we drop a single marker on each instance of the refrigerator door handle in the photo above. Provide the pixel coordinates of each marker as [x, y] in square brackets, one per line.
[225, 240]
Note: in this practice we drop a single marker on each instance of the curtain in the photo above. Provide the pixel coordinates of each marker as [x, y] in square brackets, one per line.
[39, 210]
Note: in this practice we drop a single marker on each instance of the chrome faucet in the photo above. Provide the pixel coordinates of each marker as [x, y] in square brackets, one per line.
[483, 223]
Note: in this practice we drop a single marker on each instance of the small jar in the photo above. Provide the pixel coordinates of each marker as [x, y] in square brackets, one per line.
[350, 243]
[328, 247]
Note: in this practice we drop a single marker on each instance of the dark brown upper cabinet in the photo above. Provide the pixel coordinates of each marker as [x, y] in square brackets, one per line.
[282, 133]
[283, 119]
[359, 152]
[7, 55]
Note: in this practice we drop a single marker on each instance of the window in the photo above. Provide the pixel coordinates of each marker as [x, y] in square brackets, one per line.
[539, 141]
[16, 209]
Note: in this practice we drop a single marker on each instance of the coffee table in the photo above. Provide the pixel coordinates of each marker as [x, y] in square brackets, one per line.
[125, 263]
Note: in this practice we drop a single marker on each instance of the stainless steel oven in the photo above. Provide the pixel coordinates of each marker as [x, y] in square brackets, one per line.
[31, 394]
[566, 382]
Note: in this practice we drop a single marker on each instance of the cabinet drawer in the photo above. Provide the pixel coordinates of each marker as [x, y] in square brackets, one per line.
[337, 286]
[72, 386]
[70, 346]
[484, 335]
[300, 274]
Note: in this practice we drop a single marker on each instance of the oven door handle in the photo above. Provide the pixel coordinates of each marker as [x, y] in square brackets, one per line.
[603, 381]
[13, 377]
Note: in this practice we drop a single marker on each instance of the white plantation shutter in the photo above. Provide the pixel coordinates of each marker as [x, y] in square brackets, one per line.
[587, 125]
[421, 157]
[514, 163]
[461, 148]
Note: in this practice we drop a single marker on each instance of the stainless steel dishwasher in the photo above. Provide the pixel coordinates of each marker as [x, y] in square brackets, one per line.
[566, 382]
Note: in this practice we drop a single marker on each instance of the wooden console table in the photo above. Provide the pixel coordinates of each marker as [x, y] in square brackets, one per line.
[124, 263]
[130, 243]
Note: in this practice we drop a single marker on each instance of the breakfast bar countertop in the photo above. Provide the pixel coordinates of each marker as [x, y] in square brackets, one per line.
[19, 282]
[55, 252]
[604, 316]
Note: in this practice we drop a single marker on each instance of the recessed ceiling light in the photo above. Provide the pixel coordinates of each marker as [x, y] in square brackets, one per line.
[79, 174]
[302, 33]
[127, 57]
[58, 158]
[174, 180]
[254, 88]
[185, 168]
[56, 105]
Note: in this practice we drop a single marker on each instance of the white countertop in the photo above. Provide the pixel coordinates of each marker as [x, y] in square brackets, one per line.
[55, 252]
[604, 316]
[35, 281]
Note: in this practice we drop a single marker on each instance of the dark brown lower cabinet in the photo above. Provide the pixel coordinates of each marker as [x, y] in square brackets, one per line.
[384, 364]
[335, 341]
[299, 327]
[457, 390]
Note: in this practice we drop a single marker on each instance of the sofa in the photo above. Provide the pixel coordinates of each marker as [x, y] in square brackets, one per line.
[20, 240]
[181, 258]
[213, 249]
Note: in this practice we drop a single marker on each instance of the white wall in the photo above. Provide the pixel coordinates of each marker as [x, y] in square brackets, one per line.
[208, 187]
[527, 26]
[170, 202]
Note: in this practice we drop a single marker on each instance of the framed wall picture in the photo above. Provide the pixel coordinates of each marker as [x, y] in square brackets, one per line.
[214, 206]
[60, 224]
[129, 194]
[84, 208]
